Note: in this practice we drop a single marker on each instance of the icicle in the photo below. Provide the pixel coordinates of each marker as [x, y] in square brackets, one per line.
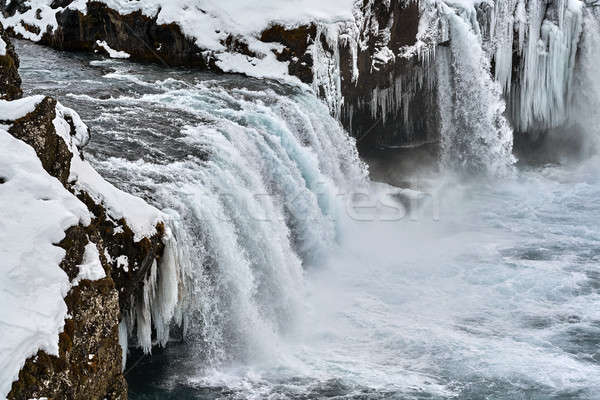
[123, 342]
[326, 67]
[549, 61]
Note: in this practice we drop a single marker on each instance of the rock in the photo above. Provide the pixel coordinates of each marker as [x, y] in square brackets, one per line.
[135, 34]
[10, 81]
[397, 87]
[37, 130]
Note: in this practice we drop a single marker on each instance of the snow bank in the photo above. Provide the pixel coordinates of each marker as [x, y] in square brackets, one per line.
[35, 211]
[209, 22]
[13, 110]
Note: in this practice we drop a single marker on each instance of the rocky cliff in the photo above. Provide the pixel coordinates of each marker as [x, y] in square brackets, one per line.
[89, 362]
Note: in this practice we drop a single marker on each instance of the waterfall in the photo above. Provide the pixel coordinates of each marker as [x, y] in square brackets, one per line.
[255, 190]
[587, 82]
[475, 134]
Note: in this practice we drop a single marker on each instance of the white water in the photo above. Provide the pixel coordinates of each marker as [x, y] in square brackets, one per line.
[475, 135]
[258, 199]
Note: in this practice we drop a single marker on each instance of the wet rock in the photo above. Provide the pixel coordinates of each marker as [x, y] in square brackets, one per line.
[37, 130]
[10, 81]
[135, 34]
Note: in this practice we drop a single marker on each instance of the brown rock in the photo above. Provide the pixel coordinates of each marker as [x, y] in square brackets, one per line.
[10, 81]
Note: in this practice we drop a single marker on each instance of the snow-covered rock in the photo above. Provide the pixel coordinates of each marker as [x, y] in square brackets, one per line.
[35, 211]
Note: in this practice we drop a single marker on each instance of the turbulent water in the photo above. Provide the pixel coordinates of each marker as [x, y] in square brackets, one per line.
[490, 289]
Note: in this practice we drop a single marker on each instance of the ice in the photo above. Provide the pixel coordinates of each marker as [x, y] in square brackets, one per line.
[549, 62]
[123, 342]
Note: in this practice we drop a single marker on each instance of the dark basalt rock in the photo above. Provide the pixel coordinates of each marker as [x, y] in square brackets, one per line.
[10, 81]
[37, 130]
[134, 33]
[393, 129]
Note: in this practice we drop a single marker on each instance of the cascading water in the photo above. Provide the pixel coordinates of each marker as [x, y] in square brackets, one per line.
[255, 201]
[475, 134]
[254, 188]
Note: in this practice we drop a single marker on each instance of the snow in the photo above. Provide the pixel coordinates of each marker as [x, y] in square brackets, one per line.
[111, 52]
[2, 47]
[141, 217]
[91, 269]
[35, 211]
[266, 67]
[123, 262]
[210, 21]
[13, 110]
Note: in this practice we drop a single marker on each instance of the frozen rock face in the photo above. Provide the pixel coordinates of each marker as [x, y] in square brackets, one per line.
[388, 89]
